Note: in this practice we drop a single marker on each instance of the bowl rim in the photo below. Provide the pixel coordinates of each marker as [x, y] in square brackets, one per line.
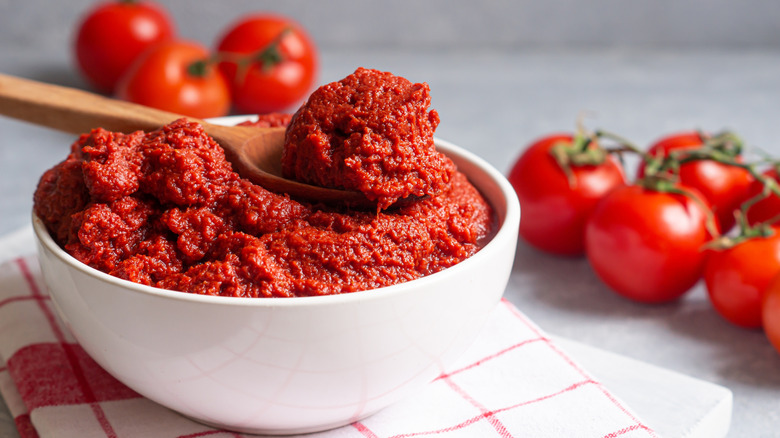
[504, 231]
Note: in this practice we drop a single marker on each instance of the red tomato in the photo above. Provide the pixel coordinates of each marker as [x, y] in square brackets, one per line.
[770, 312]
[737, 277]
[724, 187]
[113, 34]
[767, 208]
[555, 212]
[161, 78]
[285, 64]
[647, 245]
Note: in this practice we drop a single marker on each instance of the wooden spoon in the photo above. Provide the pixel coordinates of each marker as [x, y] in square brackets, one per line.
[254, 152]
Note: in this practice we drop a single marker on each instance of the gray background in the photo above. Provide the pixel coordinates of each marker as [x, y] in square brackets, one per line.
[442, 24]
[501, 74]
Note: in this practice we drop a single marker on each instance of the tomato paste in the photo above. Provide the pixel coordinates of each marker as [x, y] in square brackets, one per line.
[270, 120]
[371, 132]
[165, 209]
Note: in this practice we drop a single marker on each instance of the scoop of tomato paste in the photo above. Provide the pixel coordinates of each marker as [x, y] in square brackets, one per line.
[370, 132]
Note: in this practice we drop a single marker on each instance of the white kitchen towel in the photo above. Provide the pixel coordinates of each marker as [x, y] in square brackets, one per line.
[513, 382]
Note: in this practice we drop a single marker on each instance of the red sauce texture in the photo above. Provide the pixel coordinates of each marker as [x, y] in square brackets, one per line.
[270, 120]
[371, 132]
[165, 208]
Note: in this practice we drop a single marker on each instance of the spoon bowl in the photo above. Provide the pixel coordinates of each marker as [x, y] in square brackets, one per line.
[255, 152]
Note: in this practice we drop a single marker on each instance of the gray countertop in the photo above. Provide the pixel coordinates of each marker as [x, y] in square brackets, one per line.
[494, 104]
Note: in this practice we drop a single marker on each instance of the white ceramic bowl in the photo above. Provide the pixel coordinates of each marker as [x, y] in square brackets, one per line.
[286, 365]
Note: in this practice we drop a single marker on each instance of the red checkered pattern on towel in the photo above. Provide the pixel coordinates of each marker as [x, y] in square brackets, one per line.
[513, 382]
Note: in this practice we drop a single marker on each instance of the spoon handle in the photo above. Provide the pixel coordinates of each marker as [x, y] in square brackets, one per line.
[72, 110]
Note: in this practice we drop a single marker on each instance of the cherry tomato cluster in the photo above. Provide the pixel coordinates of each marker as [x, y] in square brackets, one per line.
[694, 210]
[262, 63]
